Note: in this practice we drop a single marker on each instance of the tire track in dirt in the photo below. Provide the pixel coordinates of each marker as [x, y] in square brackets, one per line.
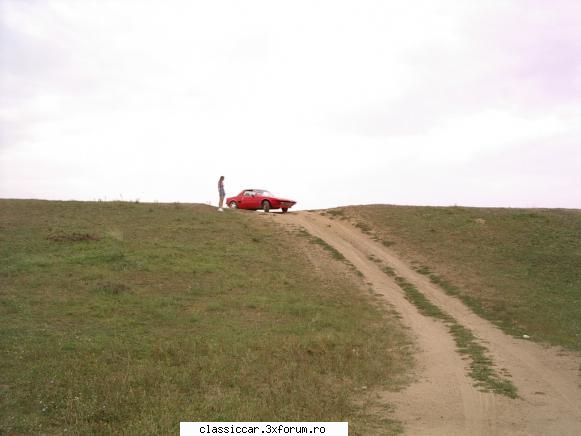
[443, 401]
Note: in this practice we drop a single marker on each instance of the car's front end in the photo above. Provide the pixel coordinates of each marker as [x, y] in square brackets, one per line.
[287, 204]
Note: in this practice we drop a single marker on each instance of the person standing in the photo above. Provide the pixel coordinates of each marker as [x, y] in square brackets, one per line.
[222, 193]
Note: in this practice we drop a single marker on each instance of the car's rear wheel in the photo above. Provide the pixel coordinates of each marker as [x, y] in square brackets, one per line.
[284, 209]
[233, 205]
[266, 206]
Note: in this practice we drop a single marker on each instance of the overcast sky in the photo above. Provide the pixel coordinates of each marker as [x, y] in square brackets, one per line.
[326, 102]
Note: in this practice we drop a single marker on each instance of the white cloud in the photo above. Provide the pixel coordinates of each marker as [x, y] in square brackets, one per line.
[331, 102]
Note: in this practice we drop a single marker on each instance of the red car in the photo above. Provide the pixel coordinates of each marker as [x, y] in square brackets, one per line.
[255, 199]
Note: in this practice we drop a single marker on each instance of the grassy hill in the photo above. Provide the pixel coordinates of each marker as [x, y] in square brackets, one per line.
[520, 268]
[129, 318]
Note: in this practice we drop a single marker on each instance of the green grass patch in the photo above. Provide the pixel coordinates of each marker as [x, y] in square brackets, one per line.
[519, 268]
[467, 298]
[168, 312]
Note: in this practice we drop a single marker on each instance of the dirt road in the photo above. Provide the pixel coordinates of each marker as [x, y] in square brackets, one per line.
[443, 401]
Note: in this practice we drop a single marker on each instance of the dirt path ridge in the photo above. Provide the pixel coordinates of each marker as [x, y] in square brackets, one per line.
[443, 400]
